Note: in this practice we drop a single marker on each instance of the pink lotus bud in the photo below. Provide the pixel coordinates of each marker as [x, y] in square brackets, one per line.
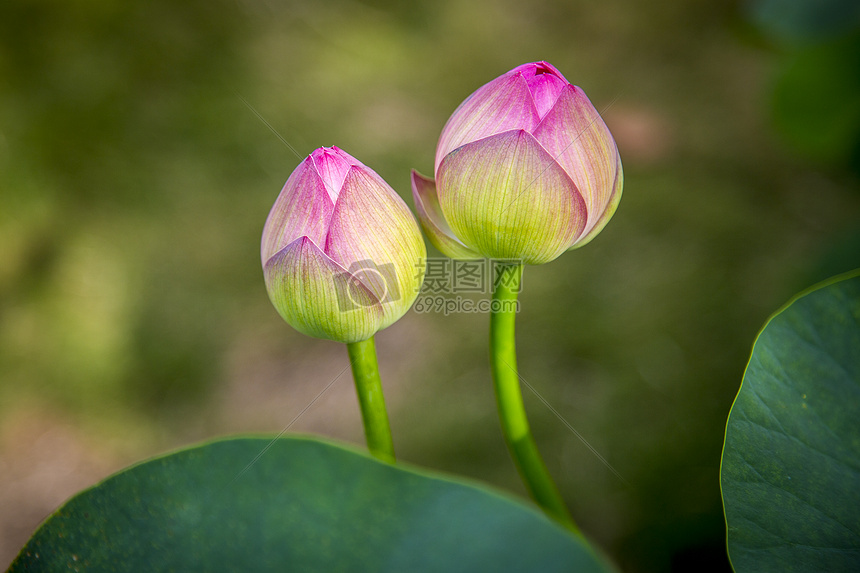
[342, 255]
[525, 169]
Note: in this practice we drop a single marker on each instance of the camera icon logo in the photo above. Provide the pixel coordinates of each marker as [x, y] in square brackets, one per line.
[364, 275]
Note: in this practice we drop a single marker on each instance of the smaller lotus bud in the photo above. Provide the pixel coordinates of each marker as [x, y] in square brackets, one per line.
[342, 254]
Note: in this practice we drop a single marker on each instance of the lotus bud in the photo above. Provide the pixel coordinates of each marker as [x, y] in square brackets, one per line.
[525, 169]
[342, 254]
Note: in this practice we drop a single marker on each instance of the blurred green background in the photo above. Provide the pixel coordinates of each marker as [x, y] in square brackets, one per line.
[135, 180]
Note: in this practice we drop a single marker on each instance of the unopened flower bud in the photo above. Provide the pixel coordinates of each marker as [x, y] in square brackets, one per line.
[525, 169]
[342, 254]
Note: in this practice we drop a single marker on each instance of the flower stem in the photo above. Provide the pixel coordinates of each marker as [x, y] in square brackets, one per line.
[368, 386]
[509, 398]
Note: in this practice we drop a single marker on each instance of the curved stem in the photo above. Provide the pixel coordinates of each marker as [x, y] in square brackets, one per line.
[509, 398]
[368, 386]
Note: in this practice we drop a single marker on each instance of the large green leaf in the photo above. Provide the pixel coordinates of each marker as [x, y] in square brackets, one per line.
[304, 505]
[791, 462]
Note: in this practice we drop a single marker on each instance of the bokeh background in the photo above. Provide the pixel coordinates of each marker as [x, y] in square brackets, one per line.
[135, 177]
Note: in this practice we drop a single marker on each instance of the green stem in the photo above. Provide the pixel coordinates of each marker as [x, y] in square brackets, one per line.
[368, 386]
[509, 398]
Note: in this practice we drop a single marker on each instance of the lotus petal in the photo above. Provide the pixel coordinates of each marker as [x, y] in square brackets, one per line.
[504, 104]
[545, 84]
[574, 135]
[318, 297]
[433, 221]
[302, 209]
[608, 211]
[505, 197]
[333, 164]
[374, 236]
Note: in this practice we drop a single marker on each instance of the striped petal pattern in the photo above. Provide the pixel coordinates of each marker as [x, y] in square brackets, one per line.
[433, 221]
[507, 199]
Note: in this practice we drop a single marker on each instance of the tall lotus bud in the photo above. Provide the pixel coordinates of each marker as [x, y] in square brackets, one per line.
[342, 254]
[525, 169]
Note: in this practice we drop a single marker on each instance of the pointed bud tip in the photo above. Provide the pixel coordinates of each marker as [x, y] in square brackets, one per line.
[545, 84]
[533, 69]
[333, 164]
[333, 154]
